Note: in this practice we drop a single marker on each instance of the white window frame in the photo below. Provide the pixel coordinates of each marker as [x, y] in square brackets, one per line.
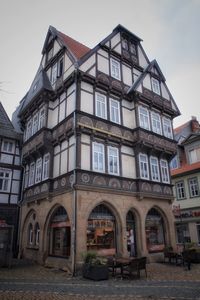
[155, 173]
[115, 111]
[100, 105]
[115, 69]
[100, 155]
[143, 161]
[167, 128]
[164, 171]
[193, 187]
[29, 129]
[174, 163]
[46, 165]
[155, 86]
[26, 177]
[113, 158]
[54, 72]
[42, 117]
[59, 69]
[194, 155]
[156, 123]
[35, 124]
[144, 117]
[38, 170]
[5, 179]
[8, 146]
[32, 174]
[180, 190]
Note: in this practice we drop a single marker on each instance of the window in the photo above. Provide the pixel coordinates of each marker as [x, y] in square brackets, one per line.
[37, 234]
[35, 124]
[155, 175]
[8, 146]
[194, 155]
[45, 174]
[198, 232]
[174, 163]
[38, 170]
[156, 123]
[114, 111]
[26, 175]
[57, 70]
[54, 73]
[180, 190]
[30, 234]
[41, 118]
[5, 180]
[60, 67]
[98, 157]
[183, 235]
[115, 69]
[155, 86]
[32, 174]
[144, 118]
[144, 169]
[29, 130]
[164, 171]
[113, 160]
[193, 187]
[100, 106]
[132, 48]
[167, 128]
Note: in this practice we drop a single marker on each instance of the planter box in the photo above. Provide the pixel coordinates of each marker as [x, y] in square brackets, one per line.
[99, 272]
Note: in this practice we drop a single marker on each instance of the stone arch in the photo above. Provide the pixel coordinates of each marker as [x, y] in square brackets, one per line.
[30, 218]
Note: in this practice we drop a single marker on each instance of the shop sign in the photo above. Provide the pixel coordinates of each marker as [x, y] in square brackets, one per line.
[189, 214]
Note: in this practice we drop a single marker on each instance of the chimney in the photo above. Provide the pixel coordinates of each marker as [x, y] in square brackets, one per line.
[195, 125]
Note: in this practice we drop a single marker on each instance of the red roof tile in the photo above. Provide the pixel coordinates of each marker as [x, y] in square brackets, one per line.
[179, 128]
[76, 48]
[185, 168]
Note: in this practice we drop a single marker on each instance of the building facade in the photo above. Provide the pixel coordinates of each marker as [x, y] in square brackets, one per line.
[10, 174]
[98, 139]
[186, 179]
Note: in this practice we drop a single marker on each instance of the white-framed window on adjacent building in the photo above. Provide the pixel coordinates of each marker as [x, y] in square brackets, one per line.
[35, 124]
[144, 117]
[98, 157]
[38, 170]
[155, 86]
[193, 187]
[164, 171]
[114, 111]
[46, 162]
[194, 155]
[180, 190]
[174, 163]
[5, 179]
[155, 174]
[115, 69]
[100, 106]
[167, 128]
[144, 167]
[8, 146]
[113, 160]
[32, 174]
[156, 123]
[41, 118]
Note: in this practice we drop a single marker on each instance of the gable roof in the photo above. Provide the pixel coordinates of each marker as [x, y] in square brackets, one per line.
[6, 127]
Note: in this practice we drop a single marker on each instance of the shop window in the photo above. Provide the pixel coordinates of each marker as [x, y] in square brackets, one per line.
[131, 234]
[154, 228]
[60, 240]
[101, 231]
[198, 232]
[182, 233]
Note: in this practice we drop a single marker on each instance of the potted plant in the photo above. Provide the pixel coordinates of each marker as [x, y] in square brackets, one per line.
[95, 267]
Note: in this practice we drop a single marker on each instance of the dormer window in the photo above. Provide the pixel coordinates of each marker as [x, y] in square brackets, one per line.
[132, 48]
[57, 70]
[155, 86]
[115, 69]
[125, 44]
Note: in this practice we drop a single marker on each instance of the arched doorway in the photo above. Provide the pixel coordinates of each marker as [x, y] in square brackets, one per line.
[131, 233]
[154, 227]
[59, 233]
[101, 231]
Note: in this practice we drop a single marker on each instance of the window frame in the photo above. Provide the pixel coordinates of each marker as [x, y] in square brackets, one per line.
[31, 180]
[180, 190]
[114, 158]
[101, 104]
[157, 129]
[163, 173]
[152, 167]
[46, 166]
[115, 69]
[38, 170]
[190, 187]
[141, 163]
[144, 119]
[167, 133]
[42, 118]
[115, 111]
[8, 146]
[155, 86]
[98, 154]
[5, 180]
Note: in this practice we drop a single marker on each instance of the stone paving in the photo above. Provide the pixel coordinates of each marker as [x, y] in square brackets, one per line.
[25, 281]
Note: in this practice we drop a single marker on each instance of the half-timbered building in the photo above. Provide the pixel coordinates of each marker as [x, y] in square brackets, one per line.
[10, 175]
[98, 139]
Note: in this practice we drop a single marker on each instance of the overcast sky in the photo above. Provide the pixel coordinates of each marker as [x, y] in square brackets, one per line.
[169, 30]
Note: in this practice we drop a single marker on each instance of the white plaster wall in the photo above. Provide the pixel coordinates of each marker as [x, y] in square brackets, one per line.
[6, 158]
[86, 102]
[68, 72]
[17, 160]
[127, 150]
[15, 187]
[3, 198]
[127, 75]
[147, 82]
[102, 52]
[85, 157]
[68, 62]
[87, 87]
[63, 166]
[62, 111]
[16, 174]
[139, 88]
[93, 72]
[103, 64]
[118, 49]
[85, 138]
[88, 63]
[115, 40]
[56, 163]
[71, 158]
[128, 118]
[164, 91]
[13, 199]
[56, 47]
[128, 166]
[142, 60]
[70, 107]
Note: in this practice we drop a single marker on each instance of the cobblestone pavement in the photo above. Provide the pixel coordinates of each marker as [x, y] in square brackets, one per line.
[25, 281]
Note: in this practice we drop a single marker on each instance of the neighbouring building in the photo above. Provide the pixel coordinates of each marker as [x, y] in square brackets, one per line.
[185, 172]
[98, 139]
[10, 174]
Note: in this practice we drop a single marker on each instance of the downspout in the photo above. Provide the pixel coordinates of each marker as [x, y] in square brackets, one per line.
[74, 197]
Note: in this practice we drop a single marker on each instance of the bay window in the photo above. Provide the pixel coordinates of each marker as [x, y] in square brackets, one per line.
[156, 123]
[164, 171]
[113, 161]
[167, 128]
[98, 157]
[38, 170]
[46, 161]
[155, 174]
[144, 118]
[114, 111]
[100, 106]
[144, 168]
